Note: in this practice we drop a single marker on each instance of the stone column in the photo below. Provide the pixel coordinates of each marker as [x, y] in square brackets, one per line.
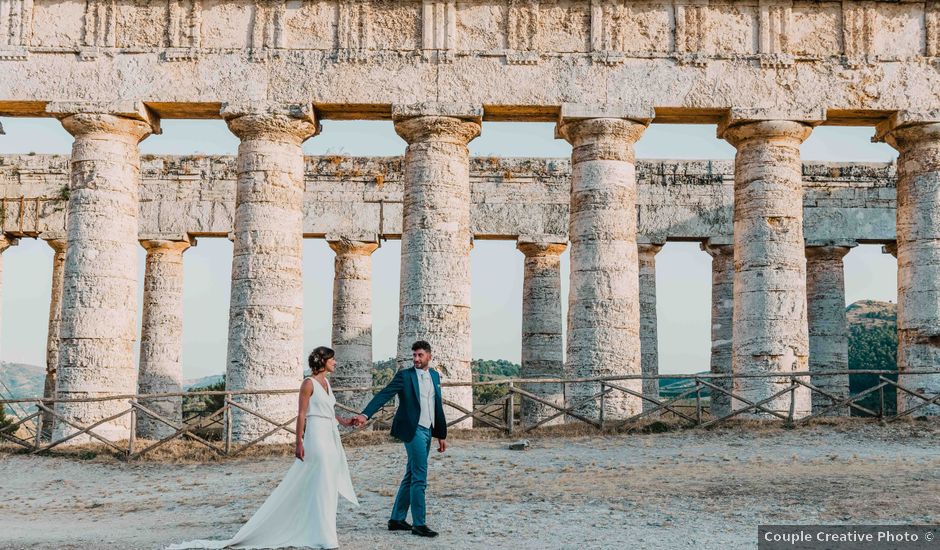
[436, 242]
[722, 315]
[770, 331]
[161, 337]
[542, 345]
[265, 347]
[603, 299]
[99, 297]
[828, 327]
[352, 318]
[649, 340]
[5, 243]
[918, 253]
[55, 321]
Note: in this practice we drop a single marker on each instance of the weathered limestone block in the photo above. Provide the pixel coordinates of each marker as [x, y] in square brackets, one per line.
[99, 297]
[265, 348]
[828, 327]
[676, 199]
[542, 353]
[603, 298]
[352, 319]
[770, 331]
[918, 253]
[521, 59]
[55, 321]
[435, 247]
[722, 315]
[161, 339]
[649, 341]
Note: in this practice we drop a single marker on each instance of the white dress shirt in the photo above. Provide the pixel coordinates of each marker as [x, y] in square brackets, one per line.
[426, 398]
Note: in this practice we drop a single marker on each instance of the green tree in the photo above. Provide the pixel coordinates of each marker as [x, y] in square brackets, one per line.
[4, 420]
[205, 404]
[873, 347]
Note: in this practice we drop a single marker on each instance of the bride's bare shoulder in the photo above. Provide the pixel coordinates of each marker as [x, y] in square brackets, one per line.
[307, 386]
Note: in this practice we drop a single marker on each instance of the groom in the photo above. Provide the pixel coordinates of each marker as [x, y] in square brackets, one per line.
[420, 415]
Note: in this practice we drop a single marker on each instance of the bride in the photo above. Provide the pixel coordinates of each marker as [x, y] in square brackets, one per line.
[302, 509]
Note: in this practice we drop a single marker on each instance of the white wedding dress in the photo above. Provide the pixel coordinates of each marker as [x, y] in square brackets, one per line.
[302, 509]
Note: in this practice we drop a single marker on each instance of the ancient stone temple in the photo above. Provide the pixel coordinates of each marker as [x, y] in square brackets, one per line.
[765, 74]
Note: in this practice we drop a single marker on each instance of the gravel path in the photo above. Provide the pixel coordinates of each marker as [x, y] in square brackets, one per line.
[690, 489]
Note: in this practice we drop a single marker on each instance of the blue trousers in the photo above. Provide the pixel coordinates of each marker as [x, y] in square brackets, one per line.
[413, 485]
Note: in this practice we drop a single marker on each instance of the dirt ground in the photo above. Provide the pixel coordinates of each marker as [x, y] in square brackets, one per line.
[683, 489]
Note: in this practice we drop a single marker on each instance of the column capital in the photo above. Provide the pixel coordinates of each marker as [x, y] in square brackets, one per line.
[717, 249]
[130, 119]
[166, 246]
[463, 111]
[344, 246]
[890, 248]
[6, 241]
[905, 129]
[460, 131]
[2, 133]
[58, 244]
[289, 122]
[601, 138]
[541, 245]
[739, 132]
[827, 252]
[649, 249]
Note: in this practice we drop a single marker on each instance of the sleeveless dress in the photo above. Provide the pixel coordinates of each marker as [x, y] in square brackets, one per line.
[302, 509]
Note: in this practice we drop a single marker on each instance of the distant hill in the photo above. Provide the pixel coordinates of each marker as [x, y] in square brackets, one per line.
[20, 380]
[202, 382]
[872, 313]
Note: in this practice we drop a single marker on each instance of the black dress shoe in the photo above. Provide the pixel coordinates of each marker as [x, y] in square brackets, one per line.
[423, 531]
[398, 525]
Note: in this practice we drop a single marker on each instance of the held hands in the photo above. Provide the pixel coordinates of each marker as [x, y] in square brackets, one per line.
[358, 421]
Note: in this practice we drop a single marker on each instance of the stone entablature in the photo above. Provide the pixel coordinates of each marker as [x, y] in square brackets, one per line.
[518, 59]
[361, 197]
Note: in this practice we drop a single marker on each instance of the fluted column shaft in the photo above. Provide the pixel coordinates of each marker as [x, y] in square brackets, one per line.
[435, 248]
[918, 253]
[603, 300]
[265, 347]
[828, 327]
[770, 330]
[55, 321]
[161, 340]
[542, 344]
[99, 297]
[352, 319]
[649, 340]
[721, 323]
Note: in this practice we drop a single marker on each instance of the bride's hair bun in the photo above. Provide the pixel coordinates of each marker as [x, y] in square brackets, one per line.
[318, 358]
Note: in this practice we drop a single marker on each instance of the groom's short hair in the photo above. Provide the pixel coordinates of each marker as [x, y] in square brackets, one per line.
[421, 344]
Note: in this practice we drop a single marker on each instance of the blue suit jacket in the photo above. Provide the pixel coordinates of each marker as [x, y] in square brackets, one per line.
[405, 386]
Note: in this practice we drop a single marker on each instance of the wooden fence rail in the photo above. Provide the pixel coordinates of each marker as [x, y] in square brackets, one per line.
[517, 391]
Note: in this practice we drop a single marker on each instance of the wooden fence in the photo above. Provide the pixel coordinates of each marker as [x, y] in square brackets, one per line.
[689, 406]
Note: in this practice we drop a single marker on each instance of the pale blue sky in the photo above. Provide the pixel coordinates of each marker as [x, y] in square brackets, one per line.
[683, 274]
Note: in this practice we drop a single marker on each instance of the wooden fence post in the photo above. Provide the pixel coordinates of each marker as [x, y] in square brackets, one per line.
[792, 402]
[511, 417]
[133, 436]
[698, 402]
[37, 440]
[228, 424]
